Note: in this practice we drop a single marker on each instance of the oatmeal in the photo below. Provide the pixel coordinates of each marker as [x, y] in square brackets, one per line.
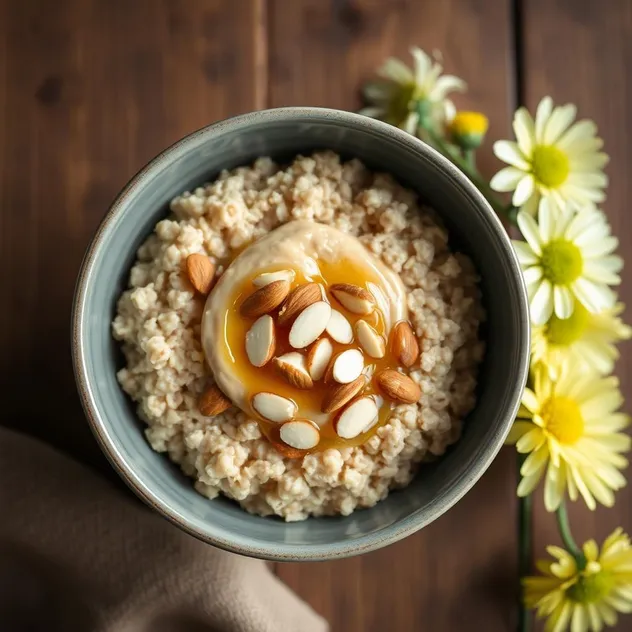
[420, 328]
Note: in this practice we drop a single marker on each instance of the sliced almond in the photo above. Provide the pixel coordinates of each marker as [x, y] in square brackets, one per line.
[273, 407]
[299, 299]
[356, 418]
[339, 328]
[340, 394]
[293, 368]
[201, 272]
[353, 297]
[265, 299]
[213, 402]
[300, 434]
[404, 344]
[372, 343]
[398, 386]
[309, 324]
[261, 341]
[269, 277]
[318, 358]
[347, 366]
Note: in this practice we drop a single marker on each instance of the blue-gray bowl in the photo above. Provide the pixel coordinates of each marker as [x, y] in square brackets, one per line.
[283, 133]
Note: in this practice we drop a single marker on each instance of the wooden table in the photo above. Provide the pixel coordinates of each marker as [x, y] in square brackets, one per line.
[92, 89]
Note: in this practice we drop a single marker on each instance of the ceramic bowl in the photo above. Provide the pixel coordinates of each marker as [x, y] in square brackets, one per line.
[283, 133]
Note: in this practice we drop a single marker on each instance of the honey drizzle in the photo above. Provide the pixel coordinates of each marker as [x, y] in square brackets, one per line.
[268, 379]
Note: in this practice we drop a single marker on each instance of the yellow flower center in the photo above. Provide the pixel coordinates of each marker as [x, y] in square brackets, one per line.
[550, 165]
[565, 332]
[465, 123]
[399, 105]
[563, 419]
[561, 262]
[591, 587]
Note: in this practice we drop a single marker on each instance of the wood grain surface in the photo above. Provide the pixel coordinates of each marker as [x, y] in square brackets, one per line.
[92, 89]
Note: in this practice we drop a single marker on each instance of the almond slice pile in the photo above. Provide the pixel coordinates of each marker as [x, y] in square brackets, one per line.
[333, 353]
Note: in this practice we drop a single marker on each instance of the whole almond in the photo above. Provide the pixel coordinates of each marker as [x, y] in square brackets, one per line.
[340, 394]
[213, 402]
[353, 297]
[398, 386]
[265, 299]
[201, 272]
[293, 368]
[301, 297]
[404, 344]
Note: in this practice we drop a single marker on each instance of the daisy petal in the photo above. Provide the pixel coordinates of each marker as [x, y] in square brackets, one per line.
[524, 253]
[530, 232]
[506, 179]
[581, 130]
[542, 115]
[524, 129]
[397, 71]
[593, 296]
[423, 63]
[558, 123]
[594, 271]
[510, 153]
[523, 191]
[563, 302]
[532, 275]
[445, 85]
[542, 303]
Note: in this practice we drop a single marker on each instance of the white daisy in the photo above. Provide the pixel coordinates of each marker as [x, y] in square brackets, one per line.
[567, 256]
[572, 431]
[553, 157]
[584, 339]
[404, 95]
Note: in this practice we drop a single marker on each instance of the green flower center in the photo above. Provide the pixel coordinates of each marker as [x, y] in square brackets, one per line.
[399, 105]
[561, 262]
[563, 419]
[565, 332]
[550, 165]
[591, 587]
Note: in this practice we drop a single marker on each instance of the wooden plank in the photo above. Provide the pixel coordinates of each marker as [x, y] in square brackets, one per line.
[581, 52]
[90, 90]
[460, 572]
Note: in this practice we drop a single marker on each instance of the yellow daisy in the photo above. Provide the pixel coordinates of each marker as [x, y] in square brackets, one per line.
[552, 158]
[404, 94]
[584, 339]
[570, 428]
[567, 257]
[583, 594]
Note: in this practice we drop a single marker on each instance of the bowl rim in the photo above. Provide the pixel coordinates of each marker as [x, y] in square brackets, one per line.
[279, 551]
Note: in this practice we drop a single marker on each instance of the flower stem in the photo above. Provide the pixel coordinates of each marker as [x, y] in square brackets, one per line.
[467, 165]
[525, 512]
[567, 537]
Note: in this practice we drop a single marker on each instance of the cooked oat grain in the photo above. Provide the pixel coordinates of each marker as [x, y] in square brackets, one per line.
[158, 322]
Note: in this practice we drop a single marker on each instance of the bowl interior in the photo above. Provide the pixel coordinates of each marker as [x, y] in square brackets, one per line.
[282, 134]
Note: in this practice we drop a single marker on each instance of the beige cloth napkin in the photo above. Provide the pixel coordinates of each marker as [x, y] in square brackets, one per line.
[77, 555]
